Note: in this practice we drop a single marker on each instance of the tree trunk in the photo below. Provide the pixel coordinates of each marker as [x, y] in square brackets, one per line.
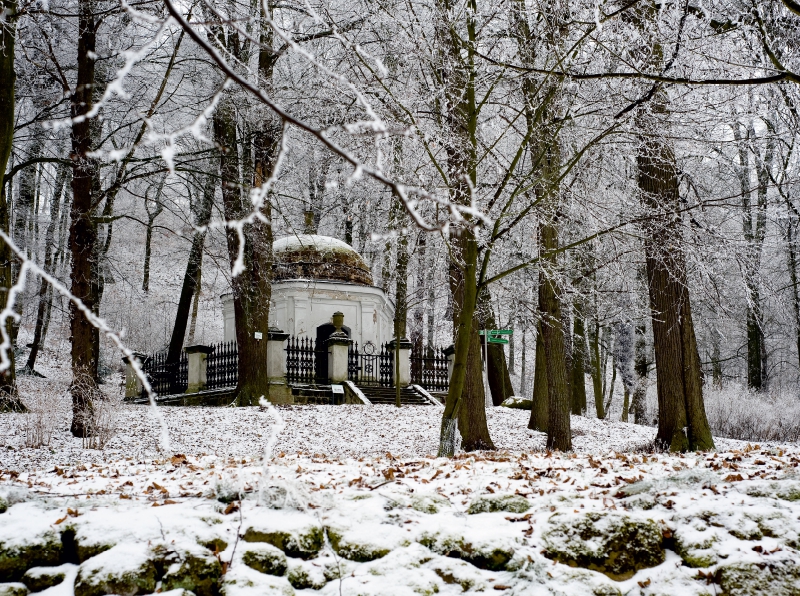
[791, 245]
[578, 384]
[9, 400]
[680, 397]
[83, 232]
[465, 396]
[401, 302]
[191, 278]
[540, 407]
[641, 368]
[597, 368]
[497, 370]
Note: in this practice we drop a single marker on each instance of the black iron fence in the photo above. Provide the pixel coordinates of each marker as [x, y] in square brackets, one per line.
[222, 370]
[222, 366]
[166, 378]
[370, 366]
[429, 369]
[301, 360]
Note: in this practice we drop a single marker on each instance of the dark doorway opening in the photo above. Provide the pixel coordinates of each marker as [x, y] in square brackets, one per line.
[321, 360]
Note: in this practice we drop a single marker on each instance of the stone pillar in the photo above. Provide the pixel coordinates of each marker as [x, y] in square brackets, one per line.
[133, 385]
[196, 369]
[338, 344]
[404, 347]
[449, 353]
[279, 390]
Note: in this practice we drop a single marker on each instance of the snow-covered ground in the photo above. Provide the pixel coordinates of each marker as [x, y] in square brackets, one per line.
[353, 502]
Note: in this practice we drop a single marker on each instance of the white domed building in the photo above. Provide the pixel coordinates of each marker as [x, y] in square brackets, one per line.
[315, 276]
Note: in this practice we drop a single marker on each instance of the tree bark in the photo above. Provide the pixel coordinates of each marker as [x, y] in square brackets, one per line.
[83, 232]
[540, 407]
[191, 278]
[9, 400]
[641, 368]
[680, 397]
[578, 385]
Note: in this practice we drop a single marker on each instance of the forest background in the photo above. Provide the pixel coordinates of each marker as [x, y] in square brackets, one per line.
[614, 180]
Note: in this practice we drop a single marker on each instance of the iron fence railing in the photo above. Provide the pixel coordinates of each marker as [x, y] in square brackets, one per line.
[429, 369]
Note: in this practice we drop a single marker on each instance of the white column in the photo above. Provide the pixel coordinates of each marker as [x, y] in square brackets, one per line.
[196, 369]
[404, 354]
[133, 385]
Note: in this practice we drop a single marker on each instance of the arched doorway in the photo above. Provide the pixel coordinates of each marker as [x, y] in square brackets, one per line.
[321, 360]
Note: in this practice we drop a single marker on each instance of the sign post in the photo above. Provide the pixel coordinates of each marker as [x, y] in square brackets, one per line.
[491, 336]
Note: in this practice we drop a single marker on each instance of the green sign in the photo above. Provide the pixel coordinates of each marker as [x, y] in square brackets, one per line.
[497, 340]
[492, 332]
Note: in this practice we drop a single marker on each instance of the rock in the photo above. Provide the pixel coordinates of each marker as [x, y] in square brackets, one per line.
[197, 571]
[265, 558]
[3, 505]
[611, 543]
[241, 580]
[491, 555]
[518, 403]
[695, 544]
[776, 578]
[41, 578]
[304, 575]
[296, 534]
[367, 541]
[37, 545]
[13, 589]
[453, 571]
[492, 503]
[429, 503]
[127, 569]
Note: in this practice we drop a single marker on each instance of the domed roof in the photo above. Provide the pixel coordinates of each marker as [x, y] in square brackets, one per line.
[309, 256]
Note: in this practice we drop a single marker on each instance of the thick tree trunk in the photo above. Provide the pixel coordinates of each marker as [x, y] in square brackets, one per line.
[191, 278]
[680, 397]
[558, 423]
[540, 407]
[83, 232]
[9, 400]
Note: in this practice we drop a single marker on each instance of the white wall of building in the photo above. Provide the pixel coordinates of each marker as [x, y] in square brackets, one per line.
[300, 306]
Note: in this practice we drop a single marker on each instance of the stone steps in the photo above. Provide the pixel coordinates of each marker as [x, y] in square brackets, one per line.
[386, 395]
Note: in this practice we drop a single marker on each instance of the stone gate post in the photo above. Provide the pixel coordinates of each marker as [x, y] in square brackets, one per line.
[279, 391]
[196, 369]
[133, 386]
[338, 344]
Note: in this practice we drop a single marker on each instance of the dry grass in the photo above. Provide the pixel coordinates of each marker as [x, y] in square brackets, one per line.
[736, 413]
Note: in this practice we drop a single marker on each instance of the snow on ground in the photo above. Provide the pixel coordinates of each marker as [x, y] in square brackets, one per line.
[353, 503]
[336, 431]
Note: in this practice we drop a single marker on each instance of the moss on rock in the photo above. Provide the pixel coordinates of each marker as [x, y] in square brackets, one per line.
[302, 542]
[18, 555]
[429, 503]
[303, 575]
[517, 403]
[776, 578]
[492, 503]
[265, 558]
[126, 569]
[198, 572]
[13, 589]
[615, 544]
[493, 556]
[41, 578]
